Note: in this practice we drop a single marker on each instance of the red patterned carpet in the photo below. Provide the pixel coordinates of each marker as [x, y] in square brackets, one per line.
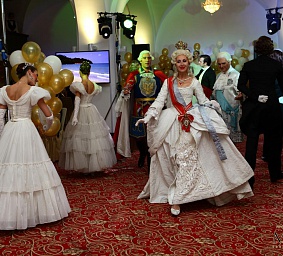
[107, 219]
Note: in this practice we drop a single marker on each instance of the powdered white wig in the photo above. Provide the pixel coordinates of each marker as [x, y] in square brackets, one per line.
[224, 55]
[179, 52]
[144, 52]
[174, 56]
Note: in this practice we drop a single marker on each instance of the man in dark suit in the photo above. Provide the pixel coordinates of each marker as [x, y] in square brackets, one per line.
[261, 109]
[206, 76]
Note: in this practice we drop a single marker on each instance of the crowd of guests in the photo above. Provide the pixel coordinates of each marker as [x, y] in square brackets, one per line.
[171, 131]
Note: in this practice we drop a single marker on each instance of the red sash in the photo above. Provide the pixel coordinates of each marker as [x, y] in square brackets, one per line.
[183, 117]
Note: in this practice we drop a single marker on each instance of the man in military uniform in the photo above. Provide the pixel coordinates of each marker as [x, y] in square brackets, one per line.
[142, 87]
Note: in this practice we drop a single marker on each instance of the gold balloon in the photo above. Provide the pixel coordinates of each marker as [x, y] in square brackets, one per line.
[14, 73]
[45, 72]
[234, 62]
[162, 58]
[124, 75]
[67, 75]
[57, 83]
[56, 105]
[54, 128]
[245, 53]
[125, 68]
[41, 58]
[165, 51]
[31, 52]
[196, 46]
[128, 57]
[166, 72]
[35, 115]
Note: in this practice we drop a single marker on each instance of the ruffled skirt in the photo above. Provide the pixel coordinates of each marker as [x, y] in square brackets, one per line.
[88, 146]
[31, 191]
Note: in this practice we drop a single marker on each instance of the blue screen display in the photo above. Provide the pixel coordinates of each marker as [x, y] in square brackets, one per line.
[100, 65]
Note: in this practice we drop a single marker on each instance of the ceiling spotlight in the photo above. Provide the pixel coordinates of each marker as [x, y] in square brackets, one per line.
[105, 26]
[273, 22]
[129, 31]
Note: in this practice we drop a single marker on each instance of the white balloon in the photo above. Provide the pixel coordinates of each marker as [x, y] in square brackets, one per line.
[16, 57]
[238, 52]
[240, 43]
[242, 61]
[215, 51]
[219, 44]
[238, 67]
[213, 57]
[54, 62]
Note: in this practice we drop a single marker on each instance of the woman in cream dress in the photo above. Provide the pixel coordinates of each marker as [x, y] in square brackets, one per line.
[31, 191]
[87, 145]
[193, 157]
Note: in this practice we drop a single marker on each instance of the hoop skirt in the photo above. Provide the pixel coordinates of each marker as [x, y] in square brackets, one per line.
[31, 191]
[88, 146]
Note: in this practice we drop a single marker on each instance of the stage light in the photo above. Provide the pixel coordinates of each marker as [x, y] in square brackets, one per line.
[130, 31]
[273, 22]
[126, 21]
[105, 26]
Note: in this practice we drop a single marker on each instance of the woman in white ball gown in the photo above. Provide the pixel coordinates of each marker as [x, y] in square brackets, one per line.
[192, 155]
[87, 145]
[31, 191]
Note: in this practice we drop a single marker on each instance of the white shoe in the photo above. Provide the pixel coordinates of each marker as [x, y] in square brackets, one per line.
[175, 212]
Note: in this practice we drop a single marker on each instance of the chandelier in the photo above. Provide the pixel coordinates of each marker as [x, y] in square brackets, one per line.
[211, 6]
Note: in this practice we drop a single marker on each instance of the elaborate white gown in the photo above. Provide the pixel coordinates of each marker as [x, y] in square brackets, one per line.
[186, 166]
[31, 191]
[88, 146]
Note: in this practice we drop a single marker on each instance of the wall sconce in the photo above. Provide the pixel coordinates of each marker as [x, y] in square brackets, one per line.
[273, 21]
[211, 6]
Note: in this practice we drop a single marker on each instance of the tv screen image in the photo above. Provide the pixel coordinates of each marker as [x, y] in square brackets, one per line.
[99, 60]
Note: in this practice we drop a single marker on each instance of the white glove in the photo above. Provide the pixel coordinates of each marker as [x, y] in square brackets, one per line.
[2, 119]
[262, 98]
[49, 121]
[127, 95]
[76, 110]
[144, 120]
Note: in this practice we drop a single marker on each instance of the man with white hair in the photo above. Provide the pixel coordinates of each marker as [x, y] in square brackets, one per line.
[141, 88]
[226, 93]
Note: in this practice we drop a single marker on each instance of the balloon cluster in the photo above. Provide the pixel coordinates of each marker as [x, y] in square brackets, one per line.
[126, 68]
[50, 77]
[164, 63]
[239, 58]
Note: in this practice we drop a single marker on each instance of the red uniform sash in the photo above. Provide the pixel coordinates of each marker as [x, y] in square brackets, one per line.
[183, 117]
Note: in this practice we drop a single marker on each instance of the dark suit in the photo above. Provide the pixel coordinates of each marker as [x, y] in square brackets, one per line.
[207, 81]
[261, 74]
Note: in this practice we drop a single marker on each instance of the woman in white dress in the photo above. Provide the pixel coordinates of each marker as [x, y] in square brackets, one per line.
[31, 191]
[87, 145]
[193, 157]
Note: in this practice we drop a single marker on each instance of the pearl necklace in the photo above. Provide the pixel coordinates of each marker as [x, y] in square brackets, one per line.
[181, 81]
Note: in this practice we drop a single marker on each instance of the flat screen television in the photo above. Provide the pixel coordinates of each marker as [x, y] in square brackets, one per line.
[100, 64]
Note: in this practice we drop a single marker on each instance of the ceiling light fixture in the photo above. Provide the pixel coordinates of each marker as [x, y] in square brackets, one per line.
[211, 6]
[127, 22]
[273, 21]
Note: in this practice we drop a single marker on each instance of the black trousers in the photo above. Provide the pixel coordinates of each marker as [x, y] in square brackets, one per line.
[273, 148]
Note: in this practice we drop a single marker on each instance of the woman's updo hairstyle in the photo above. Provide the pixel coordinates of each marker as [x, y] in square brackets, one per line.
[181, 50]
[23, 68]
[85, 67]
